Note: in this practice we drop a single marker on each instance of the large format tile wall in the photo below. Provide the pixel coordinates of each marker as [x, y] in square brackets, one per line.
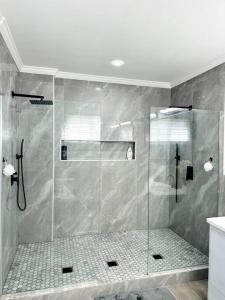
[89, 196]
[8, 72]
[98, 196]
[36, 128]
[105, 196]
[94, 196]
[198, 198]
[205, 92]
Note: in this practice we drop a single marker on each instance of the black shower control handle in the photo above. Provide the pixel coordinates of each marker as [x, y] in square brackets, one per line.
[14, 178]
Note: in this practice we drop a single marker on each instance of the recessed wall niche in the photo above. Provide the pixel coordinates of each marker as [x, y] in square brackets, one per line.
[92, 150]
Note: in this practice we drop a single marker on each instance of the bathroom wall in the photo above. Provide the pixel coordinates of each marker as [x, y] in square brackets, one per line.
[104, 196]
[197, 198]
[36, 128]
[8, 72]
[204, 92]
[89, 196]
[96, 196]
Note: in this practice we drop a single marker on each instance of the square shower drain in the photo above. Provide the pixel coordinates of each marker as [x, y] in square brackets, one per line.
[112, 263]
[157, 256]
[67, 270]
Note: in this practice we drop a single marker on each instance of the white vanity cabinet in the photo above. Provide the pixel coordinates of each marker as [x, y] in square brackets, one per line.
[216, 282]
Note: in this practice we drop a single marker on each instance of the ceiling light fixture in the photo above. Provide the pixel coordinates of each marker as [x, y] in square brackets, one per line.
[117, 63]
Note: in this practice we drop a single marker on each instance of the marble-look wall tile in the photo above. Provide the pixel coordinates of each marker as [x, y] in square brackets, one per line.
[118, 196]
[77, 183]
[206, 92]
[209, 89]
[142, 171]
[77, 194]
[183, 95]
[36, 128]
[104, 196]
[134, 106]
[221, 203]
[206, 195]
[8, 225]
[159, 184]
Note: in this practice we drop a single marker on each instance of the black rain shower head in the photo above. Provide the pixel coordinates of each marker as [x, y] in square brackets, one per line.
[181, 107]
[37, 100]
[41, 102]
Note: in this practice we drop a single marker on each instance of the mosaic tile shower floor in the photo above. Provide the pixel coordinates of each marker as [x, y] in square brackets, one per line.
[39, 265]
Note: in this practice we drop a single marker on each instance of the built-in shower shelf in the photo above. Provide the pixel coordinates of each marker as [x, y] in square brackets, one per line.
[97, 150]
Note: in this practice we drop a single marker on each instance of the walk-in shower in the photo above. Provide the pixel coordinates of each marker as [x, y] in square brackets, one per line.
[181, 143]
[95, 218]
[36, 100]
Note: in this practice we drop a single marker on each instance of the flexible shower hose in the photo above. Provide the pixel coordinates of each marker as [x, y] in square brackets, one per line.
[20, 157]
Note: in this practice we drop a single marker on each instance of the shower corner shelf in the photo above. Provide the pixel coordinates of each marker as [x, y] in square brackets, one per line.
[97, 150]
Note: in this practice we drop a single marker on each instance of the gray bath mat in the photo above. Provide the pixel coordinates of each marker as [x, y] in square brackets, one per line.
[151, 294]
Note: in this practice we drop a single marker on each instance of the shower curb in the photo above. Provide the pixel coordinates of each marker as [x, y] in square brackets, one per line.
[89, 291]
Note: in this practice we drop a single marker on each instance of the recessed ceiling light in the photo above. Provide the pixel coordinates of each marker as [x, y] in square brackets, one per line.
[117, 63]
[98, 88]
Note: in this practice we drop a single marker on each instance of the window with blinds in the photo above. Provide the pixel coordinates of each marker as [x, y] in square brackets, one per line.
[170, 130]
[86, 128]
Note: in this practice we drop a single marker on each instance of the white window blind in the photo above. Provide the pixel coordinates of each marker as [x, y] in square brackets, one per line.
[167, 130]
[80, 127]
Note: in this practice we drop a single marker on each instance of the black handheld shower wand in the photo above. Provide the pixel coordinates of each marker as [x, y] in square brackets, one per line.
[177, 157]
[19, 158]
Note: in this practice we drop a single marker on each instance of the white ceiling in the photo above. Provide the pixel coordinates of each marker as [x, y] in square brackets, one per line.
[159, 40]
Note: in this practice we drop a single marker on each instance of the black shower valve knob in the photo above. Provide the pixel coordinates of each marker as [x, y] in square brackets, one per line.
[14, 178]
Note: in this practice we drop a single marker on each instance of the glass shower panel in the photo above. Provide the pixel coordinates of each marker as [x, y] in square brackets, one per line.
[181, 142]
[77, 182]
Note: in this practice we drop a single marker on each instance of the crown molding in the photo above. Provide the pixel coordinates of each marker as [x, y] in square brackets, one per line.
[8, 38]
[110, 79]
[77, 76]
[39, 70]
[215, 63]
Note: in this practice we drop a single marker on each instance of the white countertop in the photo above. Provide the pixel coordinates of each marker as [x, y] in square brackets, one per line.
[218, 222]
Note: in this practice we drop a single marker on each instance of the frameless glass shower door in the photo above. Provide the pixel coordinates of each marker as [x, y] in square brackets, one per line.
[182, 191]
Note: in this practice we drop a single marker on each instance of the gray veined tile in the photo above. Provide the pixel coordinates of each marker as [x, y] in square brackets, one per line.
[39, 265]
